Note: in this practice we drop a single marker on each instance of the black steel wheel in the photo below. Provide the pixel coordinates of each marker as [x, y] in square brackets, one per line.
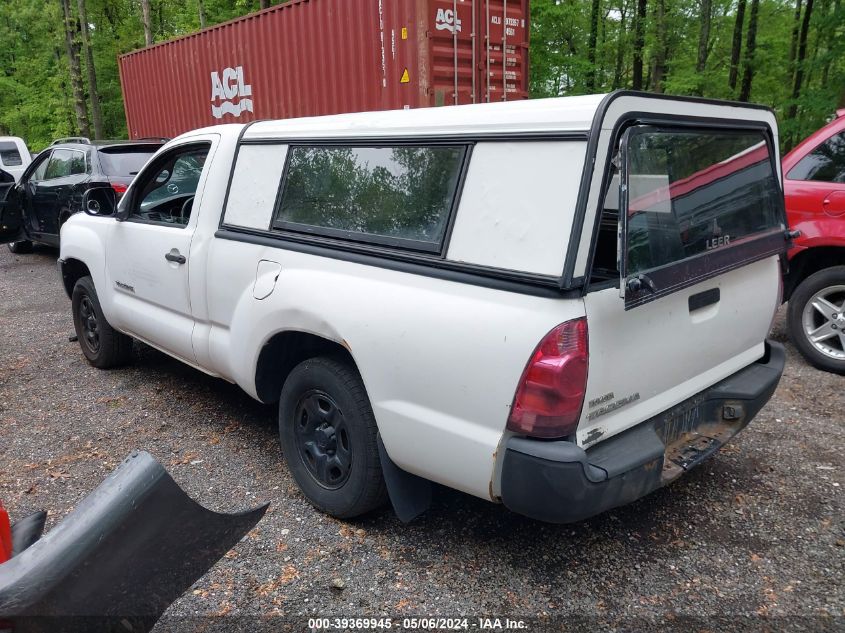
[102, 345]
[88, 320]
[322, 439]
[328, 435]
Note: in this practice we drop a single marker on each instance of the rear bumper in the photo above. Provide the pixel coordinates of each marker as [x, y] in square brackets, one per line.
[560, 482]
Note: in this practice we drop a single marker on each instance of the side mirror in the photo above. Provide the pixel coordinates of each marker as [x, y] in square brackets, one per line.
[6, 178]
[99, 201]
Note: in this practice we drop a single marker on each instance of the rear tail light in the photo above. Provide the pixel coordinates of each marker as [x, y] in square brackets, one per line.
[550, 394]
[5, 535]
[119, 188]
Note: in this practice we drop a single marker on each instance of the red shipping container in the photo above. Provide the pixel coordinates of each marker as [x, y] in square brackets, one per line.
[313, 57]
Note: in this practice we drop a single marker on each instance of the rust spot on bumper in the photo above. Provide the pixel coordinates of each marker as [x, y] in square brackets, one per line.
[691, 448]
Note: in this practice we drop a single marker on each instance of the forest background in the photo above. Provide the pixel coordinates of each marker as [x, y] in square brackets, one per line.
[59, 75]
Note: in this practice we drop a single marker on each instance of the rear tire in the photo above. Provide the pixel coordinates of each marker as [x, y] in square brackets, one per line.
[19, 248]
[328, 435]
[825, 289]
[103, 346]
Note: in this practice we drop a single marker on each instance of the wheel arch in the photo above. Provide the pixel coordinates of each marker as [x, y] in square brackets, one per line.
[82, 251]
[64, 216]
[285, 350]
[808, 262]
[72, 271]
[409, 494]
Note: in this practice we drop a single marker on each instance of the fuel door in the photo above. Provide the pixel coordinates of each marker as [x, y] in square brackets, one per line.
[266, 275]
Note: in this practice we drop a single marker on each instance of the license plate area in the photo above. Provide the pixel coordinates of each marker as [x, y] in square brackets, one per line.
[680, 420]
[692, 432]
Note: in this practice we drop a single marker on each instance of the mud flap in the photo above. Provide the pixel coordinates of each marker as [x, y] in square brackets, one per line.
[121, 557]
[410, 495]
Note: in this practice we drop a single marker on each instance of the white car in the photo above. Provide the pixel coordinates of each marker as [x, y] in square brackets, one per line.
[14, 156]
[451, 295]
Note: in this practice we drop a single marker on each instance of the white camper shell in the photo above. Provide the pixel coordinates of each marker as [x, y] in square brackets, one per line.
[452, 295]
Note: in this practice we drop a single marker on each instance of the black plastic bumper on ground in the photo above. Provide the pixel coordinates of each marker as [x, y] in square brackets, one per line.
[560, 482]
[120, 558]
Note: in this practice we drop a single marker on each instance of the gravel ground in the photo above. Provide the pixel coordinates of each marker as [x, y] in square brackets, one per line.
[756, 535]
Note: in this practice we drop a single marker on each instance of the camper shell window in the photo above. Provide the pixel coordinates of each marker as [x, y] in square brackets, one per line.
[9, 155]
[698, 202]
[400, 195]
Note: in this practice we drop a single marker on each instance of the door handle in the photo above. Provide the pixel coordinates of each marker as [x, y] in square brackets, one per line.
[704, 299]
[175, 256]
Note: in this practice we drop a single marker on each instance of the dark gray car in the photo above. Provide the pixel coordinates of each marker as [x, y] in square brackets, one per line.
[51, 188]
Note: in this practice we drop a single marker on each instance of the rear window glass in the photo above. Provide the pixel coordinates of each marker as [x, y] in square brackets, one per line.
[398, 196]
[125, 162]
[826, 163]
[690, 192]
[9, 154]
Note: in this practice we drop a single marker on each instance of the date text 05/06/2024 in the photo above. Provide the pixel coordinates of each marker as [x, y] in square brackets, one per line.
[418, 623]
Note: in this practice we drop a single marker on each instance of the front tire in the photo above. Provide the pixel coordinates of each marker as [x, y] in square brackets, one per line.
[19, 248]
[328, 435]
[816, 319]
[103, 346]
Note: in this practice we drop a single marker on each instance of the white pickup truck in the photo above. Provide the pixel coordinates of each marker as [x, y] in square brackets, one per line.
[452, 295]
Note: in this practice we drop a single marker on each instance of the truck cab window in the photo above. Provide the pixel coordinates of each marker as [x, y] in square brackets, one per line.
[167, 189]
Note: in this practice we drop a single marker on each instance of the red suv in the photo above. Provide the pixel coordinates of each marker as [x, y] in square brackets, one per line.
[814, 186]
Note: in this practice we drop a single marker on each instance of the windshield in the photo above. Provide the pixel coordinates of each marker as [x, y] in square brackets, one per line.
[125, 162]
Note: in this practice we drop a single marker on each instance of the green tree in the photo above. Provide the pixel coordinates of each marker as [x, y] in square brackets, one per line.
[728, 49]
